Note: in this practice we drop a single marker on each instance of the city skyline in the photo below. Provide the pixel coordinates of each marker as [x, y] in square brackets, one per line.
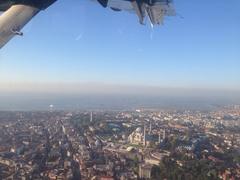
[109, 145]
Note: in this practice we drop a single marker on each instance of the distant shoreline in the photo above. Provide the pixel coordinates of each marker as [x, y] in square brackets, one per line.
[41, 103]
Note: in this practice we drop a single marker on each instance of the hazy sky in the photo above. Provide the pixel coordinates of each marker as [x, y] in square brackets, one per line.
[77, 41]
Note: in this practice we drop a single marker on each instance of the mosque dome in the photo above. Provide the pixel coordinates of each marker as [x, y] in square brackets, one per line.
[139, 130]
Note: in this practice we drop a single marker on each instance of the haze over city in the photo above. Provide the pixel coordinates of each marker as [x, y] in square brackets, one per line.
[108, 96]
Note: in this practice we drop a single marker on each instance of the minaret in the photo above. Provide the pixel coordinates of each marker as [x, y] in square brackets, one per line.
[91, 117]
[159, 137]
[150, 128]
[63, 130]
[164, 134]
[144, 136]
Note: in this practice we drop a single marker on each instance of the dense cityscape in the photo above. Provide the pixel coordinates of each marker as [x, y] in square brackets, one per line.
[107, 145]
[119, 90]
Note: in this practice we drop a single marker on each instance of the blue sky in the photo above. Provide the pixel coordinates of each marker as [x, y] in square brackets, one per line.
[79, 41]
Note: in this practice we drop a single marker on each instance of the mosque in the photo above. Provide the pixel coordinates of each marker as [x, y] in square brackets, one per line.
[137, 136]
[140, 137]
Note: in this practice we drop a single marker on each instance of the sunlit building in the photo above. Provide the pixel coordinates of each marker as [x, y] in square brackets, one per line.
[137, 137]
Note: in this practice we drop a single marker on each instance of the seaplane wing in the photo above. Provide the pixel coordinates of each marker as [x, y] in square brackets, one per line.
[13, 20]
[156, 10]
[16, 14]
